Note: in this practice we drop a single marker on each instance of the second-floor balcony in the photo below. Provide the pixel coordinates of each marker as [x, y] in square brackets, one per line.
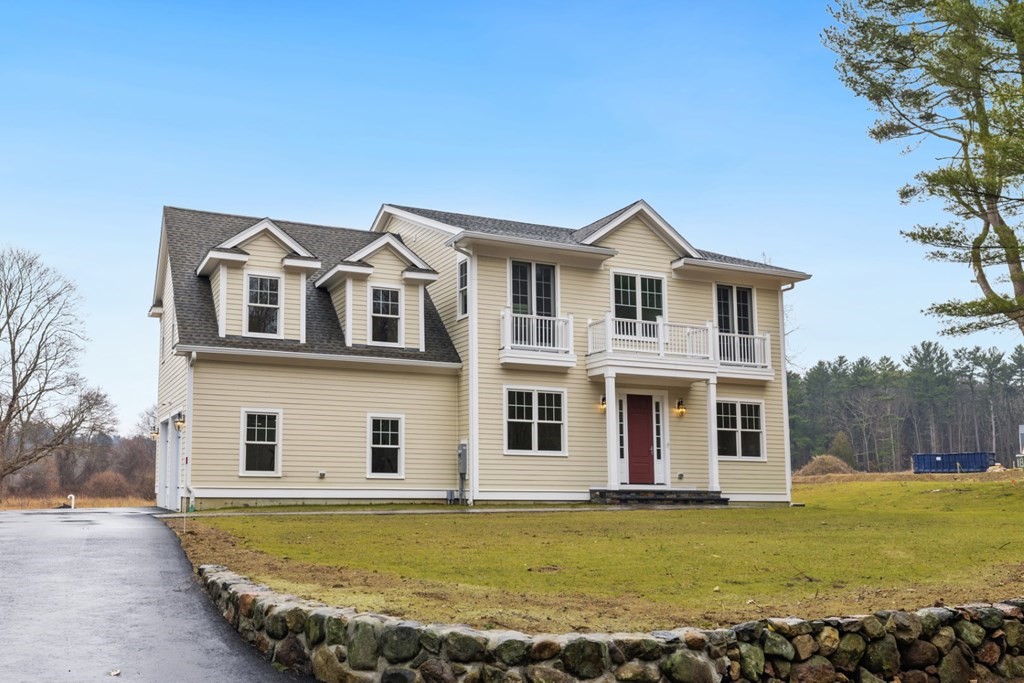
[528, 339]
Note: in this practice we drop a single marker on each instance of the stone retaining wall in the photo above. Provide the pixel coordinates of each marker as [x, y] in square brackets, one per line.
[980, 642]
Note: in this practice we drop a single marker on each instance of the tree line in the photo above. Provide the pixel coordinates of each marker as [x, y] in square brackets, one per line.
[876, 414]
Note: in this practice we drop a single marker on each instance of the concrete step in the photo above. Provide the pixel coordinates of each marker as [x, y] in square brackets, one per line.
[657, 497]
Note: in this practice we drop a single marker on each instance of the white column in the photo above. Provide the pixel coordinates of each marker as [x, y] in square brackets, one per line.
[713, 483]
[611, 420]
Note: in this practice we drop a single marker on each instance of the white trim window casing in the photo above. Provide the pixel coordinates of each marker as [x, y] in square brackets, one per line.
[740, 426]
[260, 442]
[263, 305]
[385, 324]
[638, 301]
[734, 309]
[536, 421]
[385, 446]
[462, 288]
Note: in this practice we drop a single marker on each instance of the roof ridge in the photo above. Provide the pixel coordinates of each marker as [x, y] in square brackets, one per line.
[604, 220]
[256, 219]
[473, 215]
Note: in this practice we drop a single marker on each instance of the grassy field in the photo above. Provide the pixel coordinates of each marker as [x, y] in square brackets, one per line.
[47, 502]
[857, 546]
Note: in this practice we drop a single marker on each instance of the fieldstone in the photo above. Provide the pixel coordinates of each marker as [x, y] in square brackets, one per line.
[295, 616]
[545, 648]
[276, 625]
[466, 646]
[245, 603]
[694, 639]
[585, 658]
[436, 670]
[336, 629]
[920, 654]
[513, 676]
[748, 631]
[397, 674]
[687, 666]
[546, 674]
[327, 663]
[292, 654]
[431, 640]
[316, 628]
[804, 646]
[934, 617]
[868, 677]
[263, 644]
[776, 645]
[751, 661]
[969, 632]
[883, 656]
[944, 639]
[872, 627]
[828, 640]
[989, 653]
[720, 641]
[987, 616]
[1014, 633]
[638, 672]
[790, 626]
[954, 668]
[1011, 667]
[638, 648]
[363, 649]
[780, 667]
[400, 643]
[817, 669]
[906, 627]
[913, 676]
[491, 674]
[849, 652]
[1009, 611]
[512, 650]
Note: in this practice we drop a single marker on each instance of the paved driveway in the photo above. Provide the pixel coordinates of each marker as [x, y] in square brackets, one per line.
[87, 592]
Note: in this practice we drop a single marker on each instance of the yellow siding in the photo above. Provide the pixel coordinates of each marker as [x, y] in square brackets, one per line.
[234, 299]
[215, 289]
[265, 255]
[338, 299]
[323, 424]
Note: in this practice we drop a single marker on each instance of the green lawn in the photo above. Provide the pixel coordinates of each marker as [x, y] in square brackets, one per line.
[855, 547]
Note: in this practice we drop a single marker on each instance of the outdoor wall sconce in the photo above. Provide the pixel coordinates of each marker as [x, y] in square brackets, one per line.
[680, 408]
[604, 402]
[154, 433]
[179, 420]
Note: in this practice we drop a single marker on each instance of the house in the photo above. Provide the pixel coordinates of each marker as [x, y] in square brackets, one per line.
[308, 363]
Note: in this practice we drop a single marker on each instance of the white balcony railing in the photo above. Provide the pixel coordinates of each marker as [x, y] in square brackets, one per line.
[535, 332]
[700, 342]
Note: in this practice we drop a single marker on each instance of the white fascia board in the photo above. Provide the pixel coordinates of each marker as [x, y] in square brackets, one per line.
[215, 257]
[413, 276]
[301, 264]
[269, 226]
[787, 276]
[659, 224]
[468, 238]
[386, 210]
[161, 259]
[182, 350]
[388, 239]
[155, 311]
[342, 271]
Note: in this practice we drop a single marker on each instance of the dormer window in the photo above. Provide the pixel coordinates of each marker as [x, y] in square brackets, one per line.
[263, 309]
[386, 316]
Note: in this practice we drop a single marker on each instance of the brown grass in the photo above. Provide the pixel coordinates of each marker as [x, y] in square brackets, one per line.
[1005, 475]
[824, 464]
[49, 502]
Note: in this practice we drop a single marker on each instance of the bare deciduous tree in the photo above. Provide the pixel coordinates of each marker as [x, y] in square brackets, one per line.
[44, 403]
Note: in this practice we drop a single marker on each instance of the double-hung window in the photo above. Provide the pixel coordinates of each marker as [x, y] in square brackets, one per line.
[463, 287]
[261, 442]
[740, 429]
[385, 315]
[263, 310]
[639, 301]
[533, 304]
[534, 422]
[385, 457]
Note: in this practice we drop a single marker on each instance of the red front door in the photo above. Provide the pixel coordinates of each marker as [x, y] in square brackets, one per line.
[640, 426]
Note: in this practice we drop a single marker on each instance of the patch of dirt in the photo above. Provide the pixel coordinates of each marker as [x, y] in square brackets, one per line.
[1005, 475]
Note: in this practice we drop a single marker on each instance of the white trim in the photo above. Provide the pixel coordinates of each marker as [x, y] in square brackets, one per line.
[401, 314]
[348, 312]
[502, 494]
[755, 497]
[388, 239]
[533, 282]
[788, 276]
[655, 222]
[279, 452]
[346, 269]
[385, 209]
[564, 452]
[301, 264]
[657, 396]
[302, 355]
[714, 480]
[416, 276]
[370, 417]
[302, 307]
[474, 379]
[739, 429]
[611, 430]
[269, 226]
[459, 260]
[785, 397]
[733, 309]
[186, 447]
[637, 274]
[286, 492]
[215, 258]
[279, 276]
[222, 322]
[155, 311]
[423, 316]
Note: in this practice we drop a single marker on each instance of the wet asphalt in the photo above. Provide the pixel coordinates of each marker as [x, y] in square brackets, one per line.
[84, 593]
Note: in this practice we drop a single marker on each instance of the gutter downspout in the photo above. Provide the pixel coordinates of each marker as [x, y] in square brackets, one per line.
[785, 392]
[190, 419]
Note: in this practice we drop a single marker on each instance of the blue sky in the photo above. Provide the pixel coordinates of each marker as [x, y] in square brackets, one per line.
[726, 117]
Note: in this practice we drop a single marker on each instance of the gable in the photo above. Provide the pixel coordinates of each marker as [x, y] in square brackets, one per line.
[264, 251]
[266, 226]
[639, 248]
[387, 264]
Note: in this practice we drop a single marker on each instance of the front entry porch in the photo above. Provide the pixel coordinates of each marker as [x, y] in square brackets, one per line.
[656, 496]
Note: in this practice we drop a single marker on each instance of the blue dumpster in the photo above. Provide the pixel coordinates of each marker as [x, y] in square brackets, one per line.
[936, 463]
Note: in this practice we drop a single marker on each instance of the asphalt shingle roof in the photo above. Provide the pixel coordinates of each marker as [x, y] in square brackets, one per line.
[191, 234]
